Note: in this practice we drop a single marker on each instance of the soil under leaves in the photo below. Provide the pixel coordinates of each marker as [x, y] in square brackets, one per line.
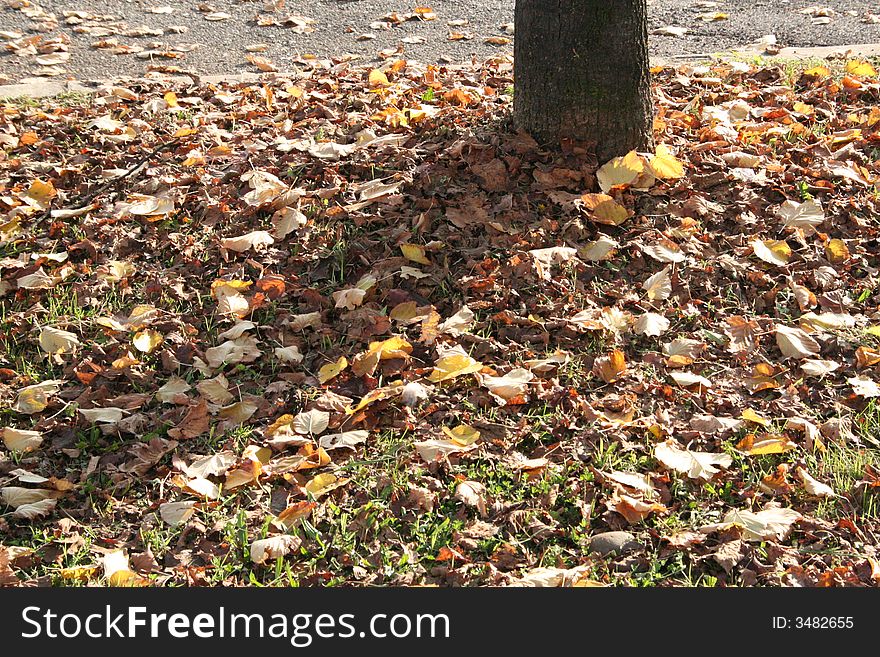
[348, 327]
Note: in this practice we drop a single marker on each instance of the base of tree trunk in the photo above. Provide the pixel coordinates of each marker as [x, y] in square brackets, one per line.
[581, 73]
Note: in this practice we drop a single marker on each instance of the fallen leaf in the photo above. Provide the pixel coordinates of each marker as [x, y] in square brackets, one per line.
[322, 484]
[696, 465]
[176, 513]
[256, 240]
[274, 547]
[312, 422]
[21, 440]
[346, 440]
[455, 365]
[651, 324]
[659, 286]
[463, 434]
[332, 370]
[665, 165]
[766, 444]
[513, 384]
[611, 367]
[776, 252]
[473, 494]
[814, 487]
[620, 171]
[147, 340]
[773, 523]
[864, 387]
[633, 509]
[795, 343]
[55, 341]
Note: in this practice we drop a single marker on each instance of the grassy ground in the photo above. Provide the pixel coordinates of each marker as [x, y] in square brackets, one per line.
[541, 474]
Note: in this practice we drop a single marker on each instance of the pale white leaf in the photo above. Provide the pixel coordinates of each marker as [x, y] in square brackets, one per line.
[697, 465]
[311, 422]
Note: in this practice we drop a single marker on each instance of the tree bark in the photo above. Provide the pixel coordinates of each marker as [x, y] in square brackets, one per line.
[581, 72]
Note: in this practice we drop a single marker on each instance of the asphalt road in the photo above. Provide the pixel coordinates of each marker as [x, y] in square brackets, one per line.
[123, 37]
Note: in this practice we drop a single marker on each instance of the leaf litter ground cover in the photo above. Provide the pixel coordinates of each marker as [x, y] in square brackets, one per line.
[348, 327]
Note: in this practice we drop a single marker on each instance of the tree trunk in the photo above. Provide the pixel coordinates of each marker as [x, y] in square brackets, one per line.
[581, 72]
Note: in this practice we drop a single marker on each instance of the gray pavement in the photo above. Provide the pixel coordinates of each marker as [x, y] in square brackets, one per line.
[105, 39]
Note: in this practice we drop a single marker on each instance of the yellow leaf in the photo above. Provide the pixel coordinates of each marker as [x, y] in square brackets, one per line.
[836, 251]
[375, 395]
[367, 362]
[858, 67]
[331, 370]
[42, 193]
[10, 229]
[147, 340]
[776, 252]
[665, 165]
[404, 312]
[873, 330]
[184, 132]
[605, 210]
[323, 483]
[609, 368]
[415, 253]
[452, 366]
[765, 445]
[463, 434]
[378, 78]
[171, 99]
[818, 72]
[220, 287]
[79, 573]
[620, 171]
[752, 416]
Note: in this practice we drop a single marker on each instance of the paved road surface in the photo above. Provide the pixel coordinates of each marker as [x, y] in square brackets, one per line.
[123, 37]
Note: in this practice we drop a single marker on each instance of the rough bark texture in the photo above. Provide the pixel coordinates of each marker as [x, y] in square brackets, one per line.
[581, 72]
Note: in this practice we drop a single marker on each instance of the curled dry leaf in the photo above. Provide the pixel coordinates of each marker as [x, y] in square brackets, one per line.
[814, 487]
[611, 367]
[273, 547]
[634, 509]
[473, 494]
